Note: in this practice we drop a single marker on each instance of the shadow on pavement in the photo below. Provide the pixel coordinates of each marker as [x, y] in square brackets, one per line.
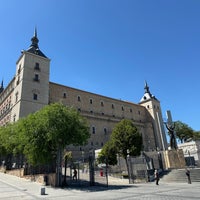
[85, 186]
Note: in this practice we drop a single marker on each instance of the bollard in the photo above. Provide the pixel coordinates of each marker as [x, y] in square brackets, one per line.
[42, 191]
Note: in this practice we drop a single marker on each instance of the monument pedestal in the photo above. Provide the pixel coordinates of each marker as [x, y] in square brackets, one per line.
[174, 159]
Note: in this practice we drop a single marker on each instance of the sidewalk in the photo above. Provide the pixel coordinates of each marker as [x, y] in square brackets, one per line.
[15, 188]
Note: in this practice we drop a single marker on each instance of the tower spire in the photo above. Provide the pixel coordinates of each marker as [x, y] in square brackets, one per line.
[147, 94]
[34, 48]
[35, 40]
[1, 88]
[146, 87]
[35, 32]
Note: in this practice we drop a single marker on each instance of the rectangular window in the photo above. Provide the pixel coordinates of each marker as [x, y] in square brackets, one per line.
[35, 96]
[93, 130]
[90, 101]
[36, 78]
[14, 118]
[18, 80]
[16, 97]
[19, 69]
[37, 66]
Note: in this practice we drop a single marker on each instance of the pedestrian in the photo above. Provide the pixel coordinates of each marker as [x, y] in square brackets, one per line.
[75, 175]
[156, 175]
[188, 176]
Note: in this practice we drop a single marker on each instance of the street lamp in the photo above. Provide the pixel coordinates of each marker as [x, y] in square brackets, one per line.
[91, 167]
[160, 160]
[127, 161]
[190, 163]
[83, 154]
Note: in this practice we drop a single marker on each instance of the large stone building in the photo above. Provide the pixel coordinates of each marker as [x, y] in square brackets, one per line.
[31, 89]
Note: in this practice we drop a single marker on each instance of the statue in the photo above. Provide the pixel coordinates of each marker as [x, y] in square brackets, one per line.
[170, 129]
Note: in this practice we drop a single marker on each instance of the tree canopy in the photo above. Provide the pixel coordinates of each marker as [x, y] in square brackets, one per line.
[185, 133]
[39, 135]
[108, 154]
[125, 140]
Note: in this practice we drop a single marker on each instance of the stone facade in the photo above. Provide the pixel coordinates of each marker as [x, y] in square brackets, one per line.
[174, 159]
[31, 89]
[103, 113]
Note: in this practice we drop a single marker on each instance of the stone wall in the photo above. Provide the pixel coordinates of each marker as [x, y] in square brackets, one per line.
[39, 178]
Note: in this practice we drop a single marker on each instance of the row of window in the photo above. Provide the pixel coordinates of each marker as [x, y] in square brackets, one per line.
[36, 77]
[101, 102]
[37, 68]
[96, 144]
[5, 120]
[94, 130]
[153, 107]
[5, 109]
[92, 144]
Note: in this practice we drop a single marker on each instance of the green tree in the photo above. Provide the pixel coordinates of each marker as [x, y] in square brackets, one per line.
[196, 135]
[39, 136]
[51, 129]
[184, 132]
[108, 154]
[125, 140]
[3, 151]
[9, 143]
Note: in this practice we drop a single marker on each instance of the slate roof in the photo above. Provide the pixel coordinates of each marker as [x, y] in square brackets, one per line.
[34, 48]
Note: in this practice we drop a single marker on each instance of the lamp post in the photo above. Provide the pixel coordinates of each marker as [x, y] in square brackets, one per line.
[91, 167]
[83, 154]
[127, 160]
[58, 168]
[160, 160]
[107, 171]
[189, 158]
[59, 164]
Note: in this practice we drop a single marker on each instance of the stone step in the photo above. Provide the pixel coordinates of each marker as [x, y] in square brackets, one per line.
[178, 175]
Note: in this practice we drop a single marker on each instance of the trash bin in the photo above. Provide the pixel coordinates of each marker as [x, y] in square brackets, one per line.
[101, 173]
[42, 190]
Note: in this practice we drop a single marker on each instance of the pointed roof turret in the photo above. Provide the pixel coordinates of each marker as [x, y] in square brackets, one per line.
[34, 39]
[1, 88]
[34, 48]
[146, 88]
[147, 94]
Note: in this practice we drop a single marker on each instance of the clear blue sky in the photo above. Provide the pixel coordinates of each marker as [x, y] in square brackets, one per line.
[111, 47]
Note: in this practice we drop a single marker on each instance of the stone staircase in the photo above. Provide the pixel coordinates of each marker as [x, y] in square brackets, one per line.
[178, 175]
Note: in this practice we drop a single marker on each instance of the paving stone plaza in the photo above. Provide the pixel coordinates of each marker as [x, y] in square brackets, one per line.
[15, 188]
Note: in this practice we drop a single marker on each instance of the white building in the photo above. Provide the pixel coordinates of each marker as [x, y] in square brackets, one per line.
[191, 151]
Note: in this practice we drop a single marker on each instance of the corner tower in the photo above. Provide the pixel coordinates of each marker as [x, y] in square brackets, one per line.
[1, 88]
[152, 105]
[31, 90]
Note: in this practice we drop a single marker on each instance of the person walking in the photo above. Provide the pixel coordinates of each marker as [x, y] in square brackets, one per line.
[75, 175]
[188, 176]
[156, 175]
